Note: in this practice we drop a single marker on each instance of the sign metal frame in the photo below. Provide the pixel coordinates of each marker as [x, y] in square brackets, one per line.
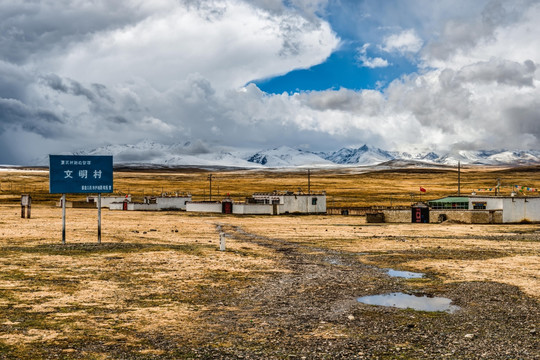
[80, 174]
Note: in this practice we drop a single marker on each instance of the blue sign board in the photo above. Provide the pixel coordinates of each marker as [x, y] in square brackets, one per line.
[74, 174]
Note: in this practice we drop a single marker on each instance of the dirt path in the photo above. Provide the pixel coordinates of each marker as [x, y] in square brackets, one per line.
[311, 311]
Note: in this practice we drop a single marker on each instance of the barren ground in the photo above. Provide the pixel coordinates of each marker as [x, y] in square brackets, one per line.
[287, 287]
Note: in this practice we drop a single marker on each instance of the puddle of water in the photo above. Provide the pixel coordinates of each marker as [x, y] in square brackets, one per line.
[334, 261]
[404, 274]
[404, 301]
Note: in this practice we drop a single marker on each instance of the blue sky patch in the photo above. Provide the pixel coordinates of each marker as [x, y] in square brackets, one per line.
[341, 70]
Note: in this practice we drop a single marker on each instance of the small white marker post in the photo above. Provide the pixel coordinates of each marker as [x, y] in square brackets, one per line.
[222, 241]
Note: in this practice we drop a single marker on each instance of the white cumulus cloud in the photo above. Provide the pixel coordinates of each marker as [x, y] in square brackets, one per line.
[407, 41]
[370, 62]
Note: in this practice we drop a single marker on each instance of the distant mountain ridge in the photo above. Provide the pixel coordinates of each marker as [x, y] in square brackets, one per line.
[196, 154]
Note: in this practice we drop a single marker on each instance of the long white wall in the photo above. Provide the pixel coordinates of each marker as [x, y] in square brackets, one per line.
[173, 202]
[204, 207]
[253, 209]
[106, 201]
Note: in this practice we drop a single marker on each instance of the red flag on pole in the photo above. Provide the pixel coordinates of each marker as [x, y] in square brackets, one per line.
[422, 189]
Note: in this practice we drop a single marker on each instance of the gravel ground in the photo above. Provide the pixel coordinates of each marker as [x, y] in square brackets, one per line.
[311, 311]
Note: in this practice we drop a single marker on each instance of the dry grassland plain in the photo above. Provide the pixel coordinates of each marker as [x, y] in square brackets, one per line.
[158, 286]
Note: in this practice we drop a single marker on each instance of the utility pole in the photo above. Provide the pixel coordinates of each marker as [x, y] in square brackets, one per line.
[210, 180]
[308, 181]
[459, 179]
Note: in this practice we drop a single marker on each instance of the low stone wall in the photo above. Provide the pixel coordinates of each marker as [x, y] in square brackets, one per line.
[375, 217]
[397, 216]
[358, 211]
[468, 216]
[435, 216]
[361, 211]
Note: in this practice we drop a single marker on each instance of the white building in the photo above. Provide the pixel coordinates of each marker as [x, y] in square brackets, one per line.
[515, 209]
[274, 203]
[293, 203]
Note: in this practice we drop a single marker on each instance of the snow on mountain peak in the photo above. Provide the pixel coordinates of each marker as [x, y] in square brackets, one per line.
[285, 156]
[196, 153]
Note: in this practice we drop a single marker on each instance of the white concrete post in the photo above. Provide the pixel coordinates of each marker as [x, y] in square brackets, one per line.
[222, 241]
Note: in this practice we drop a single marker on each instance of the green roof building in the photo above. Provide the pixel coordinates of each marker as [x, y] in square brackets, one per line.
[451, 202]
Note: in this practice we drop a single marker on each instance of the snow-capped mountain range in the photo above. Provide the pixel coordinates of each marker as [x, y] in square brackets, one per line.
[188, 154]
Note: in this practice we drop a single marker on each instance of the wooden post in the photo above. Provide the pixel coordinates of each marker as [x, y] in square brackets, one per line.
[29, 207]
[210, 180]
[99, 218]
[63, 219]
[309, 181]
[26, 202]
[459, 179]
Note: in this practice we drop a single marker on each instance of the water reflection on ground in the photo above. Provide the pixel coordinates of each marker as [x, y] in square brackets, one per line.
[404, 274]
[404, 301]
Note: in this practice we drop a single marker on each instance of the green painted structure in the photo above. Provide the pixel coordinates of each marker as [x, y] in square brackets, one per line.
[450, 202]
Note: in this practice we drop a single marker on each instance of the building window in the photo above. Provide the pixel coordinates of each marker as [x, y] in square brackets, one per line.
[449, 205]
[313, 201]
[479, 205]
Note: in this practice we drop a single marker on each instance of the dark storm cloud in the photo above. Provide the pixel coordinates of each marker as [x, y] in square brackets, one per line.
[13, 81]
[196, 147]
[14, 113]
[72, 87]
[29, 29]
[137, 155]
[118, 119]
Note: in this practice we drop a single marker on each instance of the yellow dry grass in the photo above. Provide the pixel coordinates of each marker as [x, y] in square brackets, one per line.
[145, 276]
[157, 271]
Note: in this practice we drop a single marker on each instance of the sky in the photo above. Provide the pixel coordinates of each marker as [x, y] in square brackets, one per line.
[403, 75]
